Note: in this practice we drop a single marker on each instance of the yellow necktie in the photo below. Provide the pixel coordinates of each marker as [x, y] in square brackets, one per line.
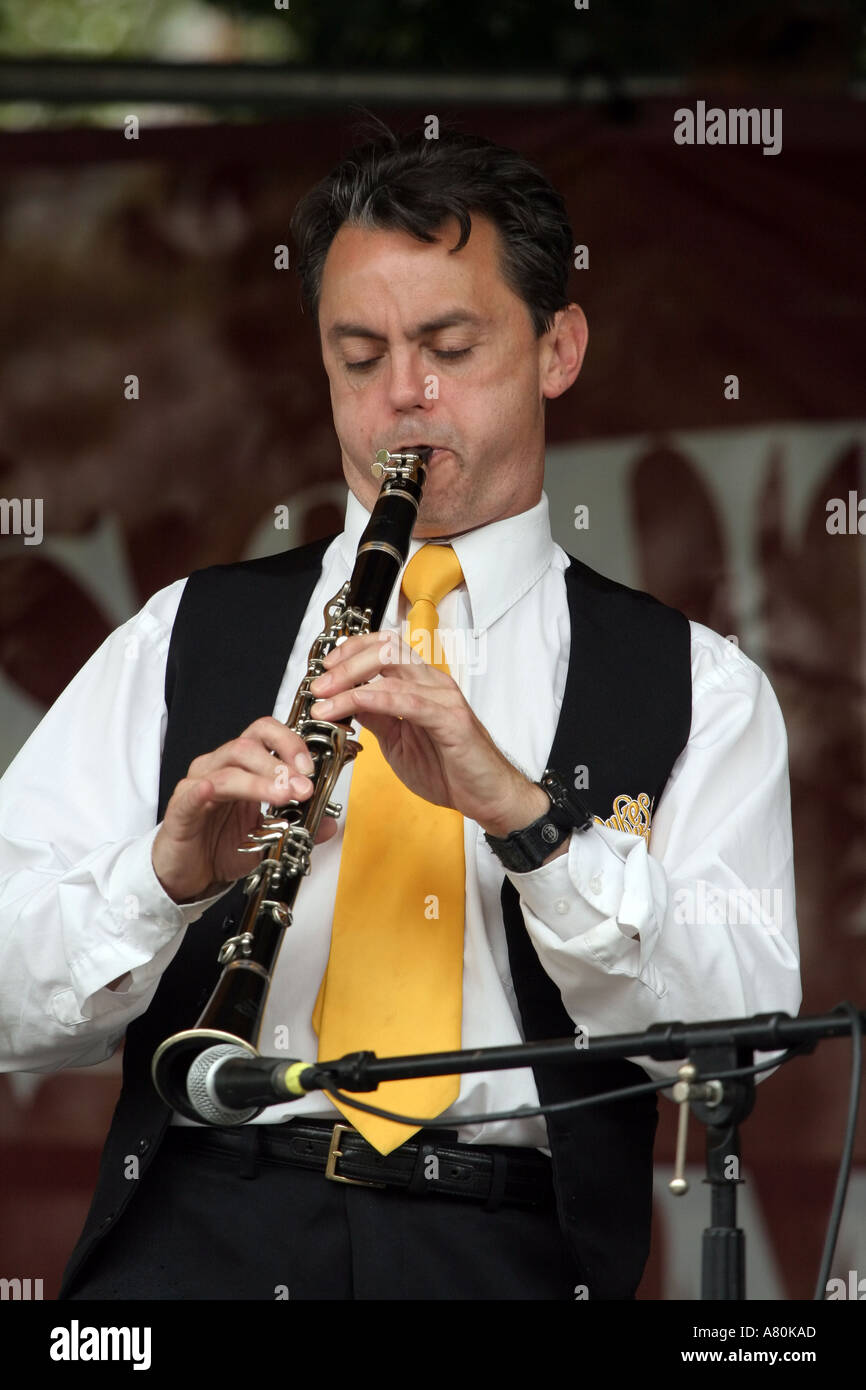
[394, 981]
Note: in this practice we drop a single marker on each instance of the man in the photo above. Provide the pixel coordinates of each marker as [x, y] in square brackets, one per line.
[437, 274]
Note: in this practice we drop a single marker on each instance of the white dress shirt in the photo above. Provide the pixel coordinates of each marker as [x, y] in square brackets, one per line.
[630, 936]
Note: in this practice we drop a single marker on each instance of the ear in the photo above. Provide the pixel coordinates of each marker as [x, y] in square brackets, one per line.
[562, 351]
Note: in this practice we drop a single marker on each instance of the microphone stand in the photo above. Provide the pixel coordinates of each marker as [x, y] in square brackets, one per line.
[720, 1102]
[721, 1106]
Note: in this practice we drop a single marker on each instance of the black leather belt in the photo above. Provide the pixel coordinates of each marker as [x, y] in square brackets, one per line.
[431, 1163]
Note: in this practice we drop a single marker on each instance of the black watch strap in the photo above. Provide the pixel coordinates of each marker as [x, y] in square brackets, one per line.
[527, 849]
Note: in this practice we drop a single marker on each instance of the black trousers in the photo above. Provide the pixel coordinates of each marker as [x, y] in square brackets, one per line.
[206, 1225]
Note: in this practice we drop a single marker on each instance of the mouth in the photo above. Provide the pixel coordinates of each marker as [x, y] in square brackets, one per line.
[428, 452]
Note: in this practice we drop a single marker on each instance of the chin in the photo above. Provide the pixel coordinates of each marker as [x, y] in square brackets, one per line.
[444, 523]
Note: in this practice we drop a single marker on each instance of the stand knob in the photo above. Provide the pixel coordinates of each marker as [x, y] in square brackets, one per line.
[682, 1094]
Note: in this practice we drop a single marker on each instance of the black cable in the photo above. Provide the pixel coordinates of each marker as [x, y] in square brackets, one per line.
[844, 1174]
[527, 1112]
[523, 1112]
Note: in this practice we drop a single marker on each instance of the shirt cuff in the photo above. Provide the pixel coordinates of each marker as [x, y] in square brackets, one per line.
[141, 920]
[606, 875]
[134, 870]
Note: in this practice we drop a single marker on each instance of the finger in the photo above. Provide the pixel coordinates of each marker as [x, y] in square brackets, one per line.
[431, 707]
[361, 641]
[249, 755]
[266, 729]
[185, 810]
[275, 737]
[390, 648]
[389, 657]
[191, 806]
[357, 664]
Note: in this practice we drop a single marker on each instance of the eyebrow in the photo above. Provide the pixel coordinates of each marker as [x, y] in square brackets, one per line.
[456, 318]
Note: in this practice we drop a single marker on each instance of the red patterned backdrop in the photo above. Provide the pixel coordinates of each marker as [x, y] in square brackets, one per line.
[156, 258]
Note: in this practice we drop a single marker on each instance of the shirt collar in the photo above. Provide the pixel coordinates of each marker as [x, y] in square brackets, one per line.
[500, 562]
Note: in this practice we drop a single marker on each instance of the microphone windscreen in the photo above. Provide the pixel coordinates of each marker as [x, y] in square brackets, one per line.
[201, 1090]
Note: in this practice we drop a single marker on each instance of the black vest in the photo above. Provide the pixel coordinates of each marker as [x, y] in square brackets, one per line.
[626, 716]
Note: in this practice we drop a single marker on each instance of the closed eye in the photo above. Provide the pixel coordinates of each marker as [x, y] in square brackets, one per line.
[444, 355]
[361, 366]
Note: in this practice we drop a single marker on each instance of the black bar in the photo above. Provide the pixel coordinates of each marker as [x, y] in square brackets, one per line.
[281, 84]
[363, 1071]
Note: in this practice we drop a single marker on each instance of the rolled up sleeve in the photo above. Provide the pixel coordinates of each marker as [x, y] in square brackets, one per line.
[700, 923]
[81, 907]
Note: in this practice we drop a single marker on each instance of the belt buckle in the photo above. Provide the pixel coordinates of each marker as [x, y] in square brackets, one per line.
[334, 1153]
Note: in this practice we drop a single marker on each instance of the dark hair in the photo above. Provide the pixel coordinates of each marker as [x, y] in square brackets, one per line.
[411, 184]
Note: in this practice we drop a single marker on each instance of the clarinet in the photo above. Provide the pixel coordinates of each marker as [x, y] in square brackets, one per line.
[284, 838]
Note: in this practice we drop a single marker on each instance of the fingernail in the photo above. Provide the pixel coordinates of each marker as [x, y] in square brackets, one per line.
[321, 707]
[300, 785]
[305, 764]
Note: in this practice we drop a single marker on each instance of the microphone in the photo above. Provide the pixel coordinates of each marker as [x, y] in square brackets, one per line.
[226, 1086]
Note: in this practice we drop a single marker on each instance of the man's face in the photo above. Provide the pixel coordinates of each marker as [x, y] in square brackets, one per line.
[426, 347]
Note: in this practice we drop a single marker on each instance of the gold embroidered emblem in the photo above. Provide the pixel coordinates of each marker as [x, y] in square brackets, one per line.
[631, 814]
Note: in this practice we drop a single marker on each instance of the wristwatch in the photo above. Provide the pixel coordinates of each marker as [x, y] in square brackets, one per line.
[527, 849]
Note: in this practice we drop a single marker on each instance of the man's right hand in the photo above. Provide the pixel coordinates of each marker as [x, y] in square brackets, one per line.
[213, 809]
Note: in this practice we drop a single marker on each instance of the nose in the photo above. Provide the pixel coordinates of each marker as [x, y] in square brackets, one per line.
[408, 384]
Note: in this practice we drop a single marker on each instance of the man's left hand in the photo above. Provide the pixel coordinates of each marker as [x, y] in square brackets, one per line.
[426, 730]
